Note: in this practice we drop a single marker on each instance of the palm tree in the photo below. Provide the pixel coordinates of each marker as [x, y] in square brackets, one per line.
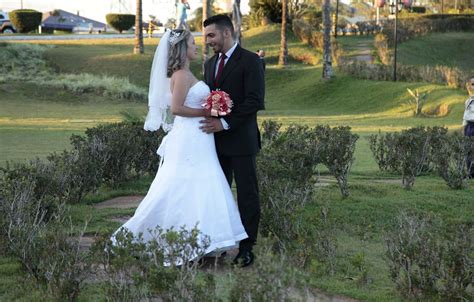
[283, 58]
[138, 47]
[206, 11]
[327, 64]
[237, 20]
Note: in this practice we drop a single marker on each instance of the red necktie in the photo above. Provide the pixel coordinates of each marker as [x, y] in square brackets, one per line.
[220, 68]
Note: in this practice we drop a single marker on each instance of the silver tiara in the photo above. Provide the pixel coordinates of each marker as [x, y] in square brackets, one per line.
[174, 37]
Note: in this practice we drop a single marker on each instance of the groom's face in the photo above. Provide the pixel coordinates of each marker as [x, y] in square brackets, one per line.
[215, 37]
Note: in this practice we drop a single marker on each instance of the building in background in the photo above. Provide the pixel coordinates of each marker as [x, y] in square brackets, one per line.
[60, 20]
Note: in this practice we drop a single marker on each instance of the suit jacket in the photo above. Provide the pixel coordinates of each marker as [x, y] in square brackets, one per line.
[243, 79]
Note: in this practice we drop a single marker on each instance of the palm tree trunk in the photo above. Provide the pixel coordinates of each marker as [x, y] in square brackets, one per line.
[237, 20]
[327, 64]
[206, 11]
[283, 58]
[138, 47]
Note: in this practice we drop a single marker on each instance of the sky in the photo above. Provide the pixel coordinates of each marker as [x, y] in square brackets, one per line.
[97, 9]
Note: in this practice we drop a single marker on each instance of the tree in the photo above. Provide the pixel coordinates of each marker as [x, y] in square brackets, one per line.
[283, 58]
[237, 21]
[206, 10]
[327, 64]
[138, 47]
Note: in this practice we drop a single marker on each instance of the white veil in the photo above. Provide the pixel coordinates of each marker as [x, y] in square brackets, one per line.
[159, 94]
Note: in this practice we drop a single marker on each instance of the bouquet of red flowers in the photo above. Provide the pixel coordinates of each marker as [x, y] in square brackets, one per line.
[219, 103]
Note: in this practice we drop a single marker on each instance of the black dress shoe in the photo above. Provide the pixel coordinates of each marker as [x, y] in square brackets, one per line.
[243, 259]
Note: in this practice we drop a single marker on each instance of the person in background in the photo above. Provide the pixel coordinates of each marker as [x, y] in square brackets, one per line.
[183, 5]
[468, 120]
[261, 55]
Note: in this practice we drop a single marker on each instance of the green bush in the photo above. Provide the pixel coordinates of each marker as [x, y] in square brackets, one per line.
[407, 152]
[124, 150]
[450, 153]
[25, 20]
[335, 149]
[40, 238]
[120, 22]
[426, 258]
[163, 267]
[111, 87]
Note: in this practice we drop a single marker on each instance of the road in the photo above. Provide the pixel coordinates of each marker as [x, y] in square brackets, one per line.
[16, 37]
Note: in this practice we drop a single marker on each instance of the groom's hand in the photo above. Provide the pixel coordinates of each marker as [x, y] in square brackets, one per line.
[211, 125]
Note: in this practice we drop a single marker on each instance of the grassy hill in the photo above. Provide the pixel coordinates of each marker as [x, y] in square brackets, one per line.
[453, 49]
[36, 120]
[31, 114]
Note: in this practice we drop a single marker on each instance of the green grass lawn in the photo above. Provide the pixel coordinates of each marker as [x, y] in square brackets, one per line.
[35, 121]
[453, 49]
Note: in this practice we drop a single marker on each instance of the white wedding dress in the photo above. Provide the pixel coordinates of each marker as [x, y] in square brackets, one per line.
[190, 187]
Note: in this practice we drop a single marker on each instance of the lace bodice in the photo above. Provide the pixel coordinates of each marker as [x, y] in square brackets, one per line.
[196, 95]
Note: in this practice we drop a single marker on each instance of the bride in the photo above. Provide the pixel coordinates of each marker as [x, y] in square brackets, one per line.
[190, 187]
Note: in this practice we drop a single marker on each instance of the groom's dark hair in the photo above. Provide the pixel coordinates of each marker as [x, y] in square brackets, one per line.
[221, 21]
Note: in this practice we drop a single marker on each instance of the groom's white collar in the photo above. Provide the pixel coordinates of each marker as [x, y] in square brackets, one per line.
[230, 51]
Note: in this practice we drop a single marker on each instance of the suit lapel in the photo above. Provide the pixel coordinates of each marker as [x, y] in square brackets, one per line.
[230, 65]
[211, 68]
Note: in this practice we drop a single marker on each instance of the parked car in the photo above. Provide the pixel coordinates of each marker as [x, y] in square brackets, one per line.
[6, 26]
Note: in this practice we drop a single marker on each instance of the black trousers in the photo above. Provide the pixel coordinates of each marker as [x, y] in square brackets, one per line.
[243, 170]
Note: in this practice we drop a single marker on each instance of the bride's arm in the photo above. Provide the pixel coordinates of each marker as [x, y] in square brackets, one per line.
[180, 89]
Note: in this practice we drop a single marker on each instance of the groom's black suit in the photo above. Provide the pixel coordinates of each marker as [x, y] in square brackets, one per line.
[243, 79]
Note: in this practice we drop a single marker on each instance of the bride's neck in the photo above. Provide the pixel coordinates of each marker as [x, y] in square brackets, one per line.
[186, 65]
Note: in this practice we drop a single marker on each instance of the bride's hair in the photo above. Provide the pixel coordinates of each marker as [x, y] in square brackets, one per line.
[178, 50]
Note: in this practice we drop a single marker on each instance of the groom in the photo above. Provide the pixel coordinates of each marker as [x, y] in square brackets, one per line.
[238, 72]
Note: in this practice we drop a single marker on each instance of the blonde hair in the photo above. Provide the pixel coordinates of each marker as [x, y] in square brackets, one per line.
[469, 87]
[178, 50]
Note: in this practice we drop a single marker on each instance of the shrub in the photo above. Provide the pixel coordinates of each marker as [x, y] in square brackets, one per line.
[384, 151]
[269, 279]
[164, 267]
[25, 20]
[285, 168]
[335, 149]
[35, 175]
[111, 87]
[427, 258]
[40, 239]
[23, 62]
[408, 152]
[450, 156]
[79, 171]
[414, 255]
[125, 150]
[120, 22]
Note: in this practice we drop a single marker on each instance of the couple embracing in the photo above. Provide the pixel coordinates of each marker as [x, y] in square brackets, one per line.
[202, 154]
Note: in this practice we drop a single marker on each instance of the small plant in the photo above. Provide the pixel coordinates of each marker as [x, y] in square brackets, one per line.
[336, 149]
[163, 266]
[418, 100]
[269, 279]
[427, 258]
